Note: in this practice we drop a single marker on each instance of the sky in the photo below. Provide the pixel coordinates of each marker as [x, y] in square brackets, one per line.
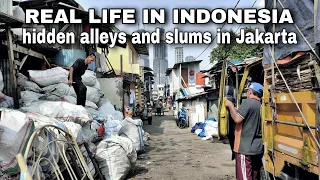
[189, 50]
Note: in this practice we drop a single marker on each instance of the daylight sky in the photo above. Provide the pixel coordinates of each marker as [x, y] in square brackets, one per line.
[193, 50]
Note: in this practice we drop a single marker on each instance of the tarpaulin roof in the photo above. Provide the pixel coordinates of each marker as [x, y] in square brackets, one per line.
[303, 16]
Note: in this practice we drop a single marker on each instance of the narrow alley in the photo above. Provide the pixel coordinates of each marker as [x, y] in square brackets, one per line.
[176, 153]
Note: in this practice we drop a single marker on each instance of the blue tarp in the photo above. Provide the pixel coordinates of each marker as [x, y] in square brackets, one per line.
[201, 125]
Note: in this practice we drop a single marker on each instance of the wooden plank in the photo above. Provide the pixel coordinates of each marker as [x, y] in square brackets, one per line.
[45, 59]
[10, 20]
[24, 50]
[12, 71]
[16, 62]
[23, 61]
[64, 28]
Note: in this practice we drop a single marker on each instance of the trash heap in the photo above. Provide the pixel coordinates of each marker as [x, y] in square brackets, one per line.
[47, 99]
[207, 130]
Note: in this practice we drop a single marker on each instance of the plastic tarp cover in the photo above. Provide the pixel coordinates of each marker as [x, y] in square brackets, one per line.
[303, 16]
[115, 156]
[16, 130]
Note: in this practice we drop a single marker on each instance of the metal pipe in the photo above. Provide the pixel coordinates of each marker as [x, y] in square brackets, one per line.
[292, 124]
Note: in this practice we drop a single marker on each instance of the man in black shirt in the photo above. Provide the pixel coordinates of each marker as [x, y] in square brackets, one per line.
[248, 135]
[78, 68]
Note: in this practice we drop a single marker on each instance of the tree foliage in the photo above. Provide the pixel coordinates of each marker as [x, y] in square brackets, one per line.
[234, 51]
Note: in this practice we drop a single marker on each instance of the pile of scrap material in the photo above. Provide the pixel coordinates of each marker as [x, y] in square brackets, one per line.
[52, 85]
[297, 74]
[46, 99]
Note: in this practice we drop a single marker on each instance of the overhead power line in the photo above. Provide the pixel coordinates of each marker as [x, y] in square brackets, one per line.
[216, 34]
[222, 28]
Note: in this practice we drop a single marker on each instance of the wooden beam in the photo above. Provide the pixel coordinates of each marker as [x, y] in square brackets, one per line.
[45, 59]
[16, 62]
[11, 65]
[64, 28]
[24, 50]
[23, 61]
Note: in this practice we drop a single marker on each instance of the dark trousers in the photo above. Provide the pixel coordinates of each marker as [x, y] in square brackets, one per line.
[81, 92]
[248, 167]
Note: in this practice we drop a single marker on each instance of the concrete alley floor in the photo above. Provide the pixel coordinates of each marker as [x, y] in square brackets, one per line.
[175, 154]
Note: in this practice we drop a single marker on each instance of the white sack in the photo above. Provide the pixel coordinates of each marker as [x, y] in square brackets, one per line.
[97, 85]
[18, 13]
[1, 82]
[107, 109]
[115, 156]
[117, 115]
[73, 100]
[94, 94]
[17, 129]
[75, 130]
[198, 131]
[89, 78]
[132, 129]
[60, 90]
[51, 97]
[44, 144]
[39, 121]
[96, 115]
[28, 97]
[88, 134]
[211, 128]
[27, 85]
[60, 110]
[112, 128]
[49, 76]
[102, 101]
[7, 103]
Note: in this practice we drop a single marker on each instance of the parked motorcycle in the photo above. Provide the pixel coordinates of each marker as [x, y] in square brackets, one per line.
[182, 119]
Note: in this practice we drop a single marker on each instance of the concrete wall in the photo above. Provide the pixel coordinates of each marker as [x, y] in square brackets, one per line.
[113, 90]
[114, 58]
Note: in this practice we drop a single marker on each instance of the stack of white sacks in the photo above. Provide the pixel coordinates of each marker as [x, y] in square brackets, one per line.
[48, 99]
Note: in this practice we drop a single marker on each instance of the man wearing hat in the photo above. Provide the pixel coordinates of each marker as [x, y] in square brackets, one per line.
[248, 135]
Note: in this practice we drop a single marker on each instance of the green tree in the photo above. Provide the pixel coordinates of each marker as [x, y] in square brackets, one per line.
[235, 51]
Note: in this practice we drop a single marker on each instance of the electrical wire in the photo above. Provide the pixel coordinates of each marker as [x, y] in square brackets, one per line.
[222, 28]
[216, 34]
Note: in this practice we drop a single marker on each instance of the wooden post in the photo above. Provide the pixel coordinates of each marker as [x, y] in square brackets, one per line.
[121, 69]
[12, 69]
